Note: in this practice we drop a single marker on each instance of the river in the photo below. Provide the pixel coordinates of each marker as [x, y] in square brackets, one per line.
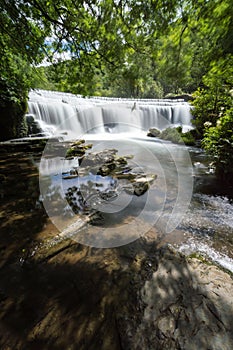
[184, 203]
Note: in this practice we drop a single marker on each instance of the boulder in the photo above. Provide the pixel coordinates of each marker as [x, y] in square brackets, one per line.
[153, 132]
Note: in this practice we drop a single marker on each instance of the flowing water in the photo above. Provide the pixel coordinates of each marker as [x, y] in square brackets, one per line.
[78, 115]
[183, 202]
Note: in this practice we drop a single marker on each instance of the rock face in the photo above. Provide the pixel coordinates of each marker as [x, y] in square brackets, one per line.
[33, 126]
[186, 305]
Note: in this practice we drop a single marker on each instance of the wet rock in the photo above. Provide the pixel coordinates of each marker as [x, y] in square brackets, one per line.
[114, 175]
[167, 325]
[99, 158]
[97, 219]
[141, 184]
[140, 187]
[106, 169]
[78, 149]
[32, 125]
[153, 132]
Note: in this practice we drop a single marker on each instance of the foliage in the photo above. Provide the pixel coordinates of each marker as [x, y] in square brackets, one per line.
[20, 44]
[214, 98]
[143, 49]
[133, 49]
[14, 85]
[218, 141]
[189, 138]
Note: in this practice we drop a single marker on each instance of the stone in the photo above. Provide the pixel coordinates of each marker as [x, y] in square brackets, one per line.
[167, 325]
[141, 183]
[140, 188]
[153, 132]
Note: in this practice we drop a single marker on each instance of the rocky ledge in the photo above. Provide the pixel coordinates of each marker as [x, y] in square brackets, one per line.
[184, 304]
[139, 296]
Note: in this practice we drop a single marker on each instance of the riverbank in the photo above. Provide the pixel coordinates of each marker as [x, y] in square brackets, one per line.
[144, 295]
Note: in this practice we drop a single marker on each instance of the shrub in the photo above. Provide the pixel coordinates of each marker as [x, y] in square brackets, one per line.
[218, 142]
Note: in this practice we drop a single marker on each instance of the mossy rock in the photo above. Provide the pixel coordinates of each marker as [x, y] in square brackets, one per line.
[175, 135]
[172, 134]
[153, 132]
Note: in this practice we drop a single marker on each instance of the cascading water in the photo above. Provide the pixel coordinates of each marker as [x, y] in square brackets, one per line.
[106, 115]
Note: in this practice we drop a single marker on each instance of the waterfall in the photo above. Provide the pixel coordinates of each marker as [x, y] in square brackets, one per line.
[75, 114]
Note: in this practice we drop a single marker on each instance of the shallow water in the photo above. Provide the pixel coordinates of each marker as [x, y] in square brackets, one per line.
[181, 204]
[178, 203]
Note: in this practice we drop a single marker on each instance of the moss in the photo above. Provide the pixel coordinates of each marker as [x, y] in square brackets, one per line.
[78, 149]
[200, 257]
[188, 139]
[172, 134]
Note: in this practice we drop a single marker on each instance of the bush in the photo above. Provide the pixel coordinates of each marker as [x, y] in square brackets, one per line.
[218, 142]
[214, 98]
[188, 138]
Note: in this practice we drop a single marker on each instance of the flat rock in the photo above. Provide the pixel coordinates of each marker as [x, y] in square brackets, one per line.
[186, 305]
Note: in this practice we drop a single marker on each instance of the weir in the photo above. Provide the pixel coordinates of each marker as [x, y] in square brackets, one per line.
[106, 115]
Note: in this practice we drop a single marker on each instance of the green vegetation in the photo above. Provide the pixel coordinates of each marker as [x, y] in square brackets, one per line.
[116, 48]
[141, 49]
[213, 114]
[214, 97]
[14, 85]
[218, 141]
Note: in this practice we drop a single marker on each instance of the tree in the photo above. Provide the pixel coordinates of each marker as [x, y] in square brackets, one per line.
[128, 48]
[14, 86]
[214, 98]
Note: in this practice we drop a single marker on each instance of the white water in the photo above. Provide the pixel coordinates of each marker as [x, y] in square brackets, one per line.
[97, 115]
[209, 227]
